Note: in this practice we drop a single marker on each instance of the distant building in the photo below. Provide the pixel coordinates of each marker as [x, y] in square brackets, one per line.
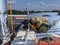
[17, 19]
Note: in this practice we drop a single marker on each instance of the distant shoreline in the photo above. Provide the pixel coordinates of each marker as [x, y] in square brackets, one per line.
[17, 15]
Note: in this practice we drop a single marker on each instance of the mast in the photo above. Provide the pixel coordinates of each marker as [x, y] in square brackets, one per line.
[11, 19]
[28, 30]
[10, 3]
[3, 20]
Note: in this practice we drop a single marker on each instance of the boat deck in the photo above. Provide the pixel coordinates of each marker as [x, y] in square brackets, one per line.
[20, 38]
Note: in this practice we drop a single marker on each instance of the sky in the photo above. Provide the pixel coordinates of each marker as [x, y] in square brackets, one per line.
[38, 5]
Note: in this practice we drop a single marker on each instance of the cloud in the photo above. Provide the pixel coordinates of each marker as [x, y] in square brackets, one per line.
[42, 3]
[27, 4]
[38, 6]
[48, 6]
[53, 4]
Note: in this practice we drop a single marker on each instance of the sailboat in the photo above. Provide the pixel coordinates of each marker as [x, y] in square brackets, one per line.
[24, 37]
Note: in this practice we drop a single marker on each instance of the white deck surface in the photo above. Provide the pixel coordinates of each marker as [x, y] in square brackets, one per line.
[19, 39]
[31, 35]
